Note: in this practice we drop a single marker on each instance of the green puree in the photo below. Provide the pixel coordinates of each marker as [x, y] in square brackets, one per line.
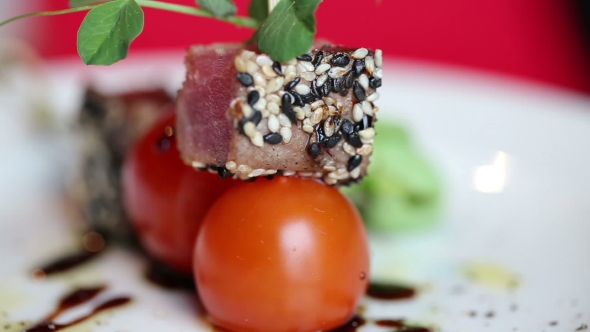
[402, 190]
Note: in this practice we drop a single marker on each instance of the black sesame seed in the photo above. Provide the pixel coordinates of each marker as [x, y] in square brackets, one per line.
[291, 115]
[245, 78]
[321, 137]
[347, 127]
[308, 98]
[349, 80]
[276, 66]
[241, 124]
[253, 97]
[286, 101]
[304, 57]
[354, 162]
[317, 92]
[252, 179]
[354, 140]
[293, 83]
[327, 87]
[222, 171]
[314, 150]
[318, 58]
[298, 100]
[256, 117]
[273, 138]
[359, 92]
[358, 66]
[340, 60]
[375, 82]
[332, 141]
[337, 84]
[344, 92]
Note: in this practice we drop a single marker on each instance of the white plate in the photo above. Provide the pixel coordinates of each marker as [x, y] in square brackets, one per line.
[514, 159]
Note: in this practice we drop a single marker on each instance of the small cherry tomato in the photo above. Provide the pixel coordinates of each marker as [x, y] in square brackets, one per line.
[286, 254]
[164, 198]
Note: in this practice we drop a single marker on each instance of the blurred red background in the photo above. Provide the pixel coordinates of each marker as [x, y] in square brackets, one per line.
[540, 40]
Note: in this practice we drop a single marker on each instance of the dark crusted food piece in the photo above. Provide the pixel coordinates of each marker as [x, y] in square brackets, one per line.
[306, 117]
[107, 127]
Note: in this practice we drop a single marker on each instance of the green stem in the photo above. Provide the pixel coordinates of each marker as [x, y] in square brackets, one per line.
[237, 20]
[57, 12]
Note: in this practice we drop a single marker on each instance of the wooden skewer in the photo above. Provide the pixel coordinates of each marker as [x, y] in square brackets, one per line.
[272, 4]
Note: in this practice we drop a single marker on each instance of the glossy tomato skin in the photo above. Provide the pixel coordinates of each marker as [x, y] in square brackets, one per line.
[164, 198]
[281, 255]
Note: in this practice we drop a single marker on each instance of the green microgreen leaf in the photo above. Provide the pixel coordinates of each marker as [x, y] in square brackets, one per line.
[80, 3]
[258, 10]
[289, 30]
[219, 8]
[108, 30]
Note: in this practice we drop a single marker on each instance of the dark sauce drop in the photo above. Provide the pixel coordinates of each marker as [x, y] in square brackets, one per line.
[165, 277]
[390, 323]
[73, 299]
[390, 292]
[65, 263]
[352, 325]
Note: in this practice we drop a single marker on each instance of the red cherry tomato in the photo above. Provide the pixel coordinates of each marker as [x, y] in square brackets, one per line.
[287, 254]
[165, 199]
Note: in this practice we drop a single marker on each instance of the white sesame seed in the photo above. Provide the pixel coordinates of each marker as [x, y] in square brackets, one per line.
[273, 108]
[316, 116]
[378, 73]
[303, 67]
[332, 110]
[338, 175]
[289, 173]
[306, 121]
[270, 171]
[275, 84]
[240, 64]
[284, 120]
[256, 172]
[244, 169]
[263, 60]
[248, 54]
[367, 134]
[252, 67]
[336, 72]
[379, 58]
[330, 181]
[260, 104]
[261, 90]
[250, 129]
[367, 141]
[198, 164]
[273, 98]
[265, 113]
[268, 71]
[299, 113]
[231, 165]
[365, 150]
[375, 109]
[307, 110]
[273, 123]
[324, 67]
[309, 76]
[360, 53]
[329, 101]
[355, 173]
[369, 64]
[364, 81]
[290, 73]
[247, 110]
[329, 127]
[292, 62]
[259, 80]
[318, 174]
[286, 133]
[329, 168]
[302, 89]
[316, 104]
[257, 139]
[308, 129]
[357, 113]
[348, 148]
[321, 80]
[367, 108]
[305, 174]
[372, 97]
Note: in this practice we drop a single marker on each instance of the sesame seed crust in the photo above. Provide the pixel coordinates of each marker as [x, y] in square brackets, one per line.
[312, 116]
